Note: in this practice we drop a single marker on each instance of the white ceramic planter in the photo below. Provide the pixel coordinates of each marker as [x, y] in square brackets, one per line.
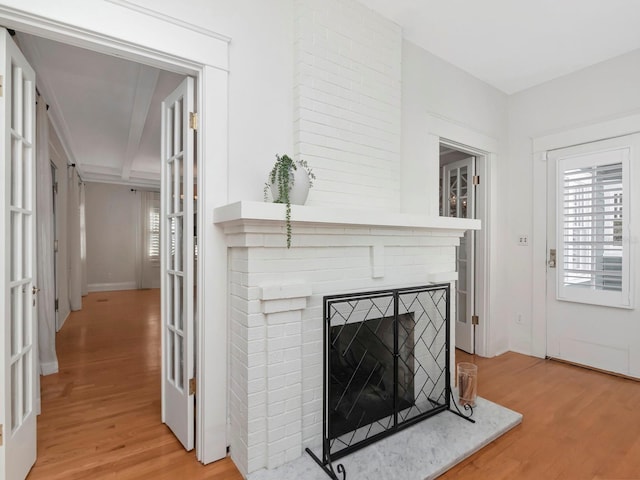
[300, 188]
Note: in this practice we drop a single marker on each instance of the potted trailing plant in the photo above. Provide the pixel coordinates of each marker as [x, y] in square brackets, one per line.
[289, 182]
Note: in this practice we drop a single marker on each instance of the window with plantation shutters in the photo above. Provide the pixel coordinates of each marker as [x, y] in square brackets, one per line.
[593, 217]
[152, 214]
[154, 234]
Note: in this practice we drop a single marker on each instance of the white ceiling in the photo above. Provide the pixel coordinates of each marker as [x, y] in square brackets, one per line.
[105, 110]
[516, 44]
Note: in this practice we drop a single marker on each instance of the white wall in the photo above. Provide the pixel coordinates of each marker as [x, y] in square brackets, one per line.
[598, 93]
[112, 215]
[433, 88]
[260, 81]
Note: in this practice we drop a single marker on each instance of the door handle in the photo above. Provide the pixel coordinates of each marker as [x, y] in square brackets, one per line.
[552, 258]
[34, 290]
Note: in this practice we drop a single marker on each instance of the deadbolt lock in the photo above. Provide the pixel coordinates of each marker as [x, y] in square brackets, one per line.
[552, 258]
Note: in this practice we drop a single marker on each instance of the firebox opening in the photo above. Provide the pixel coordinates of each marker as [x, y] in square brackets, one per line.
[362, 371]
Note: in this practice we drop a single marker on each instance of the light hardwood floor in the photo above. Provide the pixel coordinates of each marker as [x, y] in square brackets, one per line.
[101, 413]
[578, 424]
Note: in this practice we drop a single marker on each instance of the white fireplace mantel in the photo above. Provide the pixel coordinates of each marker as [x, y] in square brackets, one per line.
[251, 212]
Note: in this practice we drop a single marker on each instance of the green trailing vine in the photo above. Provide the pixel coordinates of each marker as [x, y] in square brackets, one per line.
[282, 175]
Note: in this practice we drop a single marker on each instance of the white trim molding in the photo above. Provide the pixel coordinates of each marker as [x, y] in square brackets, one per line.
[461, 134]
[111, 287]
[105, 28]
[170, 19]
[588, 133]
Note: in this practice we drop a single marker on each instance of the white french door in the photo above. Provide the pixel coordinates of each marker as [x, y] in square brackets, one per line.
[177, 262]
[18, 292]
[459, 201]
[592, 208]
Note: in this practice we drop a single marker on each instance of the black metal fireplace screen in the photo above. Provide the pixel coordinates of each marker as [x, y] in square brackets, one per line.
[386, 365]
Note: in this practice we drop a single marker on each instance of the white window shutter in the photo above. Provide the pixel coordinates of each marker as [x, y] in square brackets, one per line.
[593, 218]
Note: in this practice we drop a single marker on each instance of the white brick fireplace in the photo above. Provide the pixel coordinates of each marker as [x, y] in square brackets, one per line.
[275, 307]
[347, 63]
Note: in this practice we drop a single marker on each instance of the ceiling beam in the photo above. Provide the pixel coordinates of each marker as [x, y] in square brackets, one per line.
[103, 174]
[144, 90]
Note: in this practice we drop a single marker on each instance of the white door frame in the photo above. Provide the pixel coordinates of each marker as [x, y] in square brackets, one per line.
[204, 55]
[566, 138]
[484, 148]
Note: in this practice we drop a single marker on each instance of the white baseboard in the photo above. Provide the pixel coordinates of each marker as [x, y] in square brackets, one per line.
[110, 287]
[62, 323]
[49, 368]
[519, 351]
[503, 351]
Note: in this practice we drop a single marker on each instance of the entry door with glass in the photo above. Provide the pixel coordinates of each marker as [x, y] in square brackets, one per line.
[592, 210]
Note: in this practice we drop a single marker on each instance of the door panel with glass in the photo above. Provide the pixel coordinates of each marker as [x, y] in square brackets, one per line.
[459, 201]
[18, 355]
[177, 262]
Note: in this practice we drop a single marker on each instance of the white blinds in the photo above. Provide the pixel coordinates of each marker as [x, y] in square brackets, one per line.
[153, 226]
[592, 227]
[593, 202]
[153, 248]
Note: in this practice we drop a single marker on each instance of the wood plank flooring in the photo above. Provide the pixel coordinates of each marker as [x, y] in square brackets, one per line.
[578, 424]
[101, 413]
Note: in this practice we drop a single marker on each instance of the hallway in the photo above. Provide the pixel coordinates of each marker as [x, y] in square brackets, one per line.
[101, 413]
